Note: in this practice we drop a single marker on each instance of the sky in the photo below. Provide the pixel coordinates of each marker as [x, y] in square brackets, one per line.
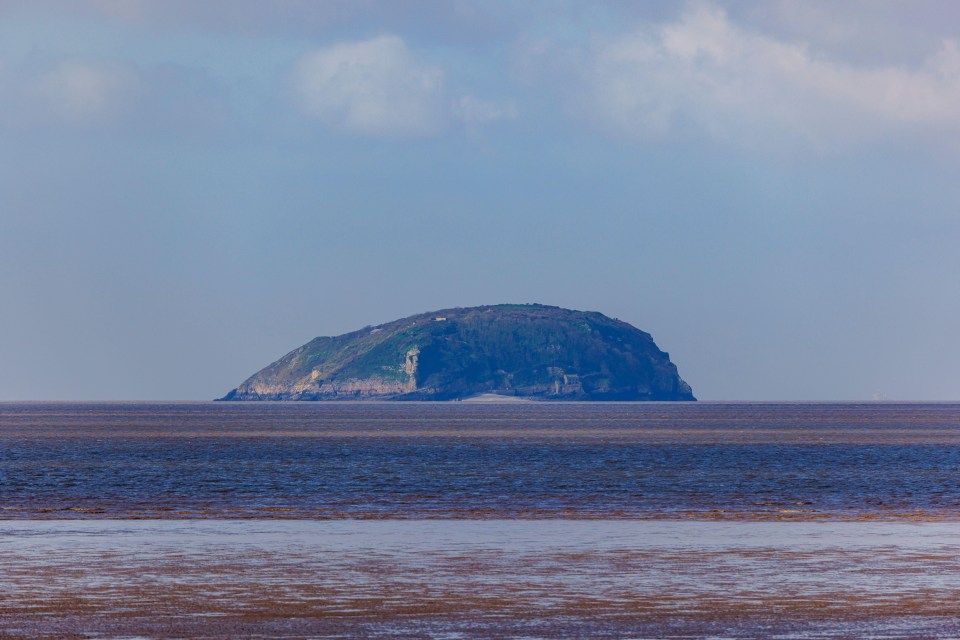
[189, 190]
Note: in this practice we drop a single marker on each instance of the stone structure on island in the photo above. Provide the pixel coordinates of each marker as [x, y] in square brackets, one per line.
[520, 350]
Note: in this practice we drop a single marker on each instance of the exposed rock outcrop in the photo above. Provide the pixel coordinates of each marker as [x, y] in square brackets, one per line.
[531, 351]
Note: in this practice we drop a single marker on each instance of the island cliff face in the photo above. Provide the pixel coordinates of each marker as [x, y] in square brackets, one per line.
[531, 351]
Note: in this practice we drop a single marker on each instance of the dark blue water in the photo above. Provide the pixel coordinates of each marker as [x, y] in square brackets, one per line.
[743, 461]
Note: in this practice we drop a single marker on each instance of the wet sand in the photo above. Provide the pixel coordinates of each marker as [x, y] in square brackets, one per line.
[490, 578]
[482, 520]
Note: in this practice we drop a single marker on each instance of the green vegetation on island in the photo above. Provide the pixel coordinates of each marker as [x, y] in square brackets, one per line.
[524, 350]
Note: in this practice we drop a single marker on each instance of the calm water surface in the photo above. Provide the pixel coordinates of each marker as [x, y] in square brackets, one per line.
[479, 521]
[223, 460]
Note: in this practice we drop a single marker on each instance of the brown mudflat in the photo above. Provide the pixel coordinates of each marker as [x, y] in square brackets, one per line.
[462, 521]
[547, 579]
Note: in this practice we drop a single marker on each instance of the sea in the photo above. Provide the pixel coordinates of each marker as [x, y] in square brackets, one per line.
[479, 520]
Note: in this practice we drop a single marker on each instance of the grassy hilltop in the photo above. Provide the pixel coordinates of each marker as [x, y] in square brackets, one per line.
[520, 350]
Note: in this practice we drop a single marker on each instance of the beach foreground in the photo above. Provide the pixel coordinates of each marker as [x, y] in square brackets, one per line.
[460, 520]
[490, 578]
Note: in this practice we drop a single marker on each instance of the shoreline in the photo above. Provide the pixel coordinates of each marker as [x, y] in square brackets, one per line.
[504, 578]
[87, 514]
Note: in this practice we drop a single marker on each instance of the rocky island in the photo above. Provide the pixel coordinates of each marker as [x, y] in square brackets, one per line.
[523, 350]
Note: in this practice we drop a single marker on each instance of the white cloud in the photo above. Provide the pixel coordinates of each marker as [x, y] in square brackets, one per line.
[378, 87]
[374, 87]
[473, 111]
[705, 71]
[83, 93]
[107, 94]
[128, 10]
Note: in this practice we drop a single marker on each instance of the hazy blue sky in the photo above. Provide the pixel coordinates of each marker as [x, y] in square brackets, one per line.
[188, 190]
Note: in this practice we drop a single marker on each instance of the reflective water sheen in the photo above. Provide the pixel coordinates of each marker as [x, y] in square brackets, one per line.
[480, 461]
[479, 521]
